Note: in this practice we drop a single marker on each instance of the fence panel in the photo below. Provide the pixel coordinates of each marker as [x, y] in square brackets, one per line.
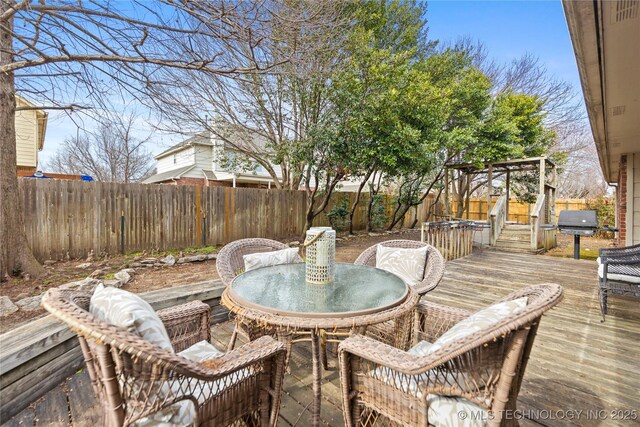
[74, 217]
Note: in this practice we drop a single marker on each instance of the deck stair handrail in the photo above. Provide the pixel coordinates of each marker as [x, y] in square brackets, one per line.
[535, 221]
[498, 218]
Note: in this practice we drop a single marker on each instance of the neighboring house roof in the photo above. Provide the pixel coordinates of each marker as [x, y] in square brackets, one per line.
[209, 175]
[242, 137]
[169, 175]
[42, 118]
[202, 138]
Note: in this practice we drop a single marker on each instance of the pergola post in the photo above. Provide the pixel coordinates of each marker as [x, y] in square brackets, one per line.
[553, 194]
[466, 190]
[506, 206]
[542, 176]
[543, 173]
[446, 191]
[490, 187]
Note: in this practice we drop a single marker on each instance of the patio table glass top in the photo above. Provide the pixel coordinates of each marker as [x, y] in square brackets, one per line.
[282, 289]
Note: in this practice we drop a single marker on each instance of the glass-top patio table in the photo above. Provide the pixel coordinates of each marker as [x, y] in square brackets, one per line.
[279, 298]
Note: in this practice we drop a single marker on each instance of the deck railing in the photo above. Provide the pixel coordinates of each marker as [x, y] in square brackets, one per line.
[537, 216]
[498, 218]
[453, 239]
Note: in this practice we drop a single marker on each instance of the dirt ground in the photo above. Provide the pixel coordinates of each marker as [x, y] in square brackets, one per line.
[148, 279]
[588, 246]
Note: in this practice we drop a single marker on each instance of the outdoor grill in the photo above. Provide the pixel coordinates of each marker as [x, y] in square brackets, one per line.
[579, 223]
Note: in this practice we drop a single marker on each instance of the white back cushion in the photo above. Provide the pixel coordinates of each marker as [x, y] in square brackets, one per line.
[126, 310]
[484, 318]
[408, 264]
[267, 259]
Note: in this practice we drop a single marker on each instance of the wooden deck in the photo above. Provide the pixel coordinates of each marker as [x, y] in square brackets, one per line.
[577, 364]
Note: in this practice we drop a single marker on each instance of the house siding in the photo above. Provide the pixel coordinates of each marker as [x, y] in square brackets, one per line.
[203, 157]
[26, 139]
[182, 158]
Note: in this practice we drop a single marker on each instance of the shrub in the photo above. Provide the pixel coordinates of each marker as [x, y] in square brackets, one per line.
[378, 212]
[339, 215]
[606, 210]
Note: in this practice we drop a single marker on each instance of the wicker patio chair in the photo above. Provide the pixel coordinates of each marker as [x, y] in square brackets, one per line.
[433, 272]
[618, 274]
[383, 385]
[433, 268]
[230, 263]
[134, 379]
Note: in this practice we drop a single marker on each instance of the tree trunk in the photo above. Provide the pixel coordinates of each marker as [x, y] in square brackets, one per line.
[15, 254]
[369, 208]
[355, 203]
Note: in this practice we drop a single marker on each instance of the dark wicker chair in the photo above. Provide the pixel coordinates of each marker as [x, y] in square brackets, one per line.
[133, 378]
[383, 385]
[433, 272]
[618, 274]
[230, 263]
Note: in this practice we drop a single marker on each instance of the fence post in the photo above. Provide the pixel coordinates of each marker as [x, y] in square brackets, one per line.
[122, 232]
[204, 230]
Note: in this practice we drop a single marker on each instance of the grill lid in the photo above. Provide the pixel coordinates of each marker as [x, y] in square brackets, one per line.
[578, 219]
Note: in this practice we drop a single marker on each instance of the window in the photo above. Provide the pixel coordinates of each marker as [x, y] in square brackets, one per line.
[175, 160]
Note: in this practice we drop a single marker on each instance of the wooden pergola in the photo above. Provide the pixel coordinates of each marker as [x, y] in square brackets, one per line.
[547, 185]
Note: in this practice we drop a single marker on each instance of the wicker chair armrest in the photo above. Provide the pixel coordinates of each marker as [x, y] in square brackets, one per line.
[609, 262]
[433, 272]
[367, 257]
[633, 255]
[187, 324]
[618, 251]
[621, 261]
[433, 320]
[240, 358]
[382, 354]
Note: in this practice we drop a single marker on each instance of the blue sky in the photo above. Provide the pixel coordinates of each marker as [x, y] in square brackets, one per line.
[509, 29]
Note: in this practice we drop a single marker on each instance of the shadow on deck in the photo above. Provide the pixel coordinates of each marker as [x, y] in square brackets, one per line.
[577, 363]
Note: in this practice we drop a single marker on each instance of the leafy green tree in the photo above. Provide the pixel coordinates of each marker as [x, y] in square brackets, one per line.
[371, 92]
[462, 96]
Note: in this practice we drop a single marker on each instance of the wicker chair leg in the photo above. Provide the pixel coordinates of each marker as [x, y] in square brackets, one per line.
[323, 350]
[234, 337]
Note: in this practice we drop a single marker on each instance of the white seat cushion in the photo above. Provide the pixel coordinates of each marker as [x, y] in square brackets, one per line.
[478, 321]
[445, 411]
[126, 310]
[268, 259]
[183, 413]
[619, 277]
[408, 264]
[200, 352]
[420, 349]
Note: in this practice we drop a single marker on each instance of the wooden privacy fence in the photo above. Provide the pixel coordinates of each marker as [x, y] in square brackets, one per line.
[518, 212]
[75, 217]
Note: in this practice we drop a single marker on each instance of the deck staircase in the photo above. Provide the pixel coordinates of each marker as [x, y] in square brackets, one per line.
[524, 238]
[515, 238]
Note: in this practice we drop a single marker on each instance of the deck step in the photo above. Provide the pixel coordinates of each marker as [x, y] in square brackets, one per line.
[513, 244]
[525, 227]
[519, 250]
[509, 236]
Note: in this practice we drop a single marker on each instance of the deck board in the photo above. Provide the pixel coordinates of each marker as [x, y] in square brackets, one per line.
[577, 362]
